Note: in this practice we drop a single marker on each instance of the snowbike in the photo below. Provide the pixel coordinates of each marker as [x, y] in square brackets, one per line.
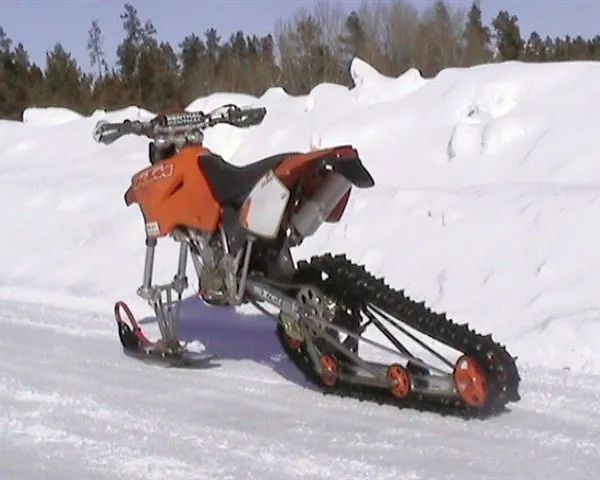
[238, 225]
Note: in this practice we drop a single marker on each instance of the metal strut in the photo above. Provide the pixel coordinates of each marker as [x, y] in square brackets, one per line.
[161, 297]
[166, 299]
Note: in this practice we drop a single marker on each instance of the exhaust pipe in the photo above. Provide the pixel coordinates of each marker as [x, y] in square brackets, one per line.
[317, 209]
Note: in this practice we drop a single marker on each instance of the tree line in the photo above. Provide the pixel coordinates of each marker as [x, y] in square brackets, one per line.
[313, 46]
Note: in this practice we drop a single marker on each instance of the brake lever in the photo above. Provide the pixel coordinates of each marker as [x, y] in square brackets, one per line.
[248, 117]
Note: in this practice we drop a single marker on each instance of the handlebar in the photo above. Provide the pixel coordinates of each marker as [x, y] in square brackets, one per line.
[179, 125]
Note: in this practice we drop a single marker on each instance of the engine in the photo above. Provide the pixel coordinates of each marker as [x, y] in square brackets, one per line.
[212, 266]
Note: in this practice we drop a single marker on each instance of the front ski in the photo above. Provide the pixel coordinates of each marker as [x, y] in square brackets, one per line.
[183, 359]
[136, 345]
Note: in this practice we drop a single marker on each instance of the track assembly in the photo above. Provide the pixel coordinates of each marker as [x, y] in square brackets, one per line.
[479, 383]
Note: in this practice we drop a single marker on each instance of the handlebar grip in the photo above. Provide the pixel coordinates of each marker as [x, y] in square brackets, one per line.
[106, 132]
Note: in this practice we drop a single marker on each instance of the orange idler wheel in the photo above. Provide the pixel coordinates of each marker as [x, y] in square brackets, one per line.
[470, 381]
[399, 380]
[329, 375]
[293, 343]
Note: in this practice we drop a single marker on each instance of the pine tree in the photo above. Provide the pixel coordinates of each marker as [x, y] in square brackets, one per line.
[549, 48]
[5, 42]
[594, 47]
[8, 102]
[193, 59]
[19, 80]
[535, 50]
[65, 84]
[477, 38]
[353, 41]
[192, 52]
[508, 36]
[579, 49]
[130, 49]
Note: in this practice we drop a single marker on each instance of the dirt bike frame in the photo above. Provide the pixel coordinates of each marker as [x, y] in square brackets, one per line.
[274, 204]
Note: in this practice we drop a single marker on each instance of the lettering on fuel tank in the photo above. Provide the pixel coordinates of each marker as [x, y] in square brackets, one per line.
[153, 174]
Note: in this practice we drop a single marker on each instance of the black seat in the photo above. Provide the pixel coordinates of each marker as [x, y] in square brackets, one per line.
[231, 184]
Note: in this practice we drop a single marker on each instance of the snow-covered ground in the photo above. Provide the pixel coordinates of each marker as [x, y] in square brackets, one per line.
[486, 206]
[73, 407]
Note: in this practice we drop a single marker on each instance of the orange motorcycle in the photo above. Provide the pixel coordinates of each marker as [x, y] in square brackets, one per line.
[238, 226]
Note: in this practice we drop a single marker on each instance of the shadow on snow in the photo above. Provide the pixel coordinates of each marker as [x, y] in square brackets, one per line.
[231, 335]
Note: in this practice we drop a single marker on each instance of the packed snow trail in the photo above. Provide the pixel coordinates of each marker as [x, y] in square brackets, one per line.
[74, 406]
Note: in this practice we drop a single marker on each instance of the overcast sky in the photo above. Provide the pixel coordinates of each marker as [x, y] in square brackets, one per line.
[39, 24]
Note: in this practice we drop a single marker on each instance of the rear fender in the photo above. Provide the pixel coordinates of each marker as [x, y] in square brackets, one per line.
[295, 167]
[347, 163]
[344, 160]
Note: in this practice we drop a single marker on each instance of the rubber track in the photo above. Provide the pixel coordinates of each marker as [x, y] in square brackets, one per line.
[503, 377]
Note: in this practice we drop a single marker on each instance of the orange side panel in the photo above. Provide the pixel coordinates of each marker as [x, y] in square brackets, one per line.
[174, 192]
[290, 171]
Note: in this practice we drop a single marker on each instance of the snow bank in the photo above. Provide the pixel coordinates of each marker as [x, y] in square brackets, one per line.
[49, 116]
[486, 202]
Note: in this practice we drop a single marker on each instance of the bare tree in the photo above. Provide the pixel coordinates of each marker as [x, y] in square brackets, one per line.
[95, 46]
[403, 28]
[440, 37]
[363, 39]
[331, 19]
[305, 58]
